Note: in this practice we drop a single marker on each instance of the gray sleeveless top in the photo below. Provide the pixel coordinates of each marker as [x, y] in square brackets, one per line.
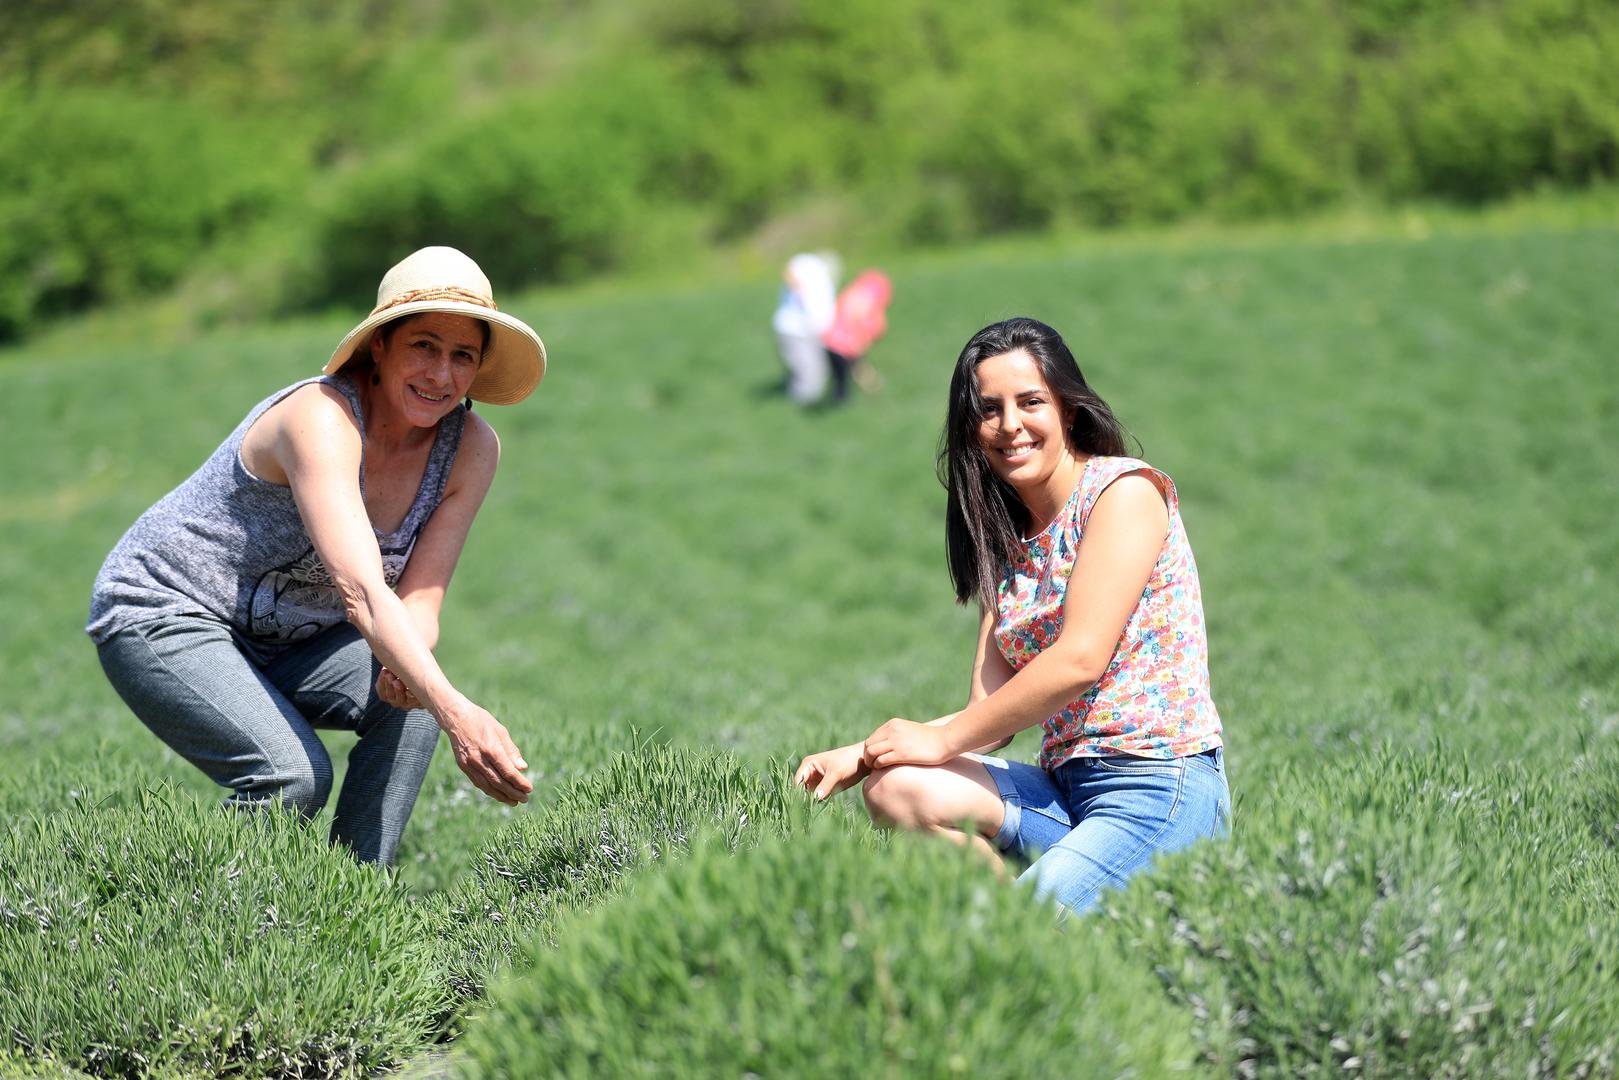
[227, 545]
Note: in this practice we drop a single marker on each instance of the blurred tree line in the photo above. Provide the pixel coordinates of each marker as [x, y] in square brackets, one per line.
[301, 147]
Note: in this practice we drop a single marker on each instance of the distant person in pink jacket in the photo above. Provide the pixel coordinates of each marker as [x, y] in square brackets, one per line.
[860, 318]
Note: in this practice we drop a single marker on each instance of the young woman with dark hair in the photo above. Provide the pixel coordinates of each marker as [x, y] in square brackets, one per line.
[1092, 627]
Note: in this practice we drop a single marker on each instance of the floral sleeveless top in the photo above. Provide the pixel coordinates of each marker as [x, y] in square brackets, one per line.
[1153, 698]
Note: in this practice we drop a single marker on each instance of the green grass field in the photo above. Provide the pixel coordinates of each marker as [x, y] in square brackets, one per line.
[1398, 461]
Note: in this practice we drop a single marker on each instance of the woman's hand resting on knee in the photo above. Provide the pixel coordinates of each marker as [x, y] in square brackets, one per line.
[831, 771]
[905, 742]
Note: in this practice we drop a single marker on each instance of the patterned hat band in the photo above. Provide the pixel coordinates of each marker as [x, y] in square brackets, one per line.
[446, 292]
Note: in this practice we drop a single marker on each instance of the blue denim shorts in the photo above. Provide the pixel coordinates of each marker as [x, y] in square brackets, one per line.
[1096, 821]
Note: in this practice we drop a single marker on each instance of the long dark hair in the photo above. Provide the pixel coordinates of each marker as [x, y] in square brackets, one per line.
[986, 519]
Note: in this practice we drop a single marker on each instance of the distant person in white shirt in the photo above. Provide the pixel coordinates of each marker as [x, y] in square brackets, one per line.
[805, 310]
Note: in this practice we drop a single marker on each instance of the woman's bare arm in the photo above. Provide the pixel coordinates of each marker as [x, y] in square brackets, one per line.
[1123, 539]
[316, 442]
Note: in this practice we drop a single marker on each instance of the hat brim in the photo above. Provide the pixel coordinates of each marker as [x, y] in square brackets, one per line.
[513, 364]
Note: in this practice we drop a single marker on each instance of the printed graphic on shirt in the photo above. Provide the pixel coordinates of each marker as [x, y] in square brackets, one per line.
[299, 600]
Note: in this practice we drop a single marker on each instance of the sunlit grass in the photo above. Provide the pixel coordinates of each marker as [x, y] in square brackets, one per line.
[1398, 462]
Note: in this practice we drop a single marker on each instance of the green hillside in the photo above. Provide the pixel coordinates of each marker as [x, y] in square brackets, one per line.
[263, 159]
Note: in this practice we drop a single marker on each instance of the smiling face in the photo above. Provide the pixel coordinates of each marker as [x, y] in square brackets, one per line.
[1021, 426]
[427, 364]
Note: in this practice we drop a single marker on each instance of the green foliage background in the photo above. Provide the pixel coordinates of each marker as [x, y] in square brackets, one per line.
[276, 158]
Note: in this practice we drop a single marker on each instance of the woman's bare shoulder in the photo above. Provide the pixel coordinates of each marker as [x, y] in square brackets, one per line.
[480, 435]
[314, 418]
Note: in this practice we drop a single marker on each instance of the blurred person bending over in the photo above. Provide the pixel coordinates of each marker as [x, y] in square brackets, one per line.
[860, 319]
[805, 309]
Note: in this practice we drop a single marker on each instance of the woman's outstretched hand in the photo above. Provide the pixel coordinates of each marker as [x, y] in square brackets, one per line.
[831, 771]
[905, 742]
[485, 752]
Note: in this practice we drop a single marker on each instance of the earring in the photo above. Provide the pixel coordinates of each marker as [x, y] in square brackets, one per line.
[376, 380]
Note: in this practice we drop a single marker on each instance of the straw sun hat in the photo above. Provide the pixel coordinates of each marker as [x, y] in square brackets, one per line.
[443, 279]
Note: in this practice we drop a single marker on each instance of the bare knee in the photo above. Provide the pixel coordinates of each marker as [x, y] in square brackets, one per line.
[897, 796]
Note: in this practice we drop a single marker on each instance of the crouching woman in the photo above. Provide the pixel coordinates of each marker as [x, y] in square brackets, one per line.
[294, 581]
[1092, 627]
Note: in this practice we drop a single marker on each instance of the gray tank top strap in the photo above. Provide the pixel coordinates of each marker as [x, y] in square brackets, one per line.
[345, 386]
[341, 382]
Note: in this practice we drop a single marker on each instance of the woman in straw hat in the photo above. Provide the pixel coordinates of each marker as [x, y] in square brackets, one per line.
[294, 581]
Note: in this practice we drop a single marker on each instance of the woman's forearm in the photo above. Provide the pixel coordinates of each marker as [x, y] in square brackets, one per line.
[986, 748]
[396, 637]
[1044, 686]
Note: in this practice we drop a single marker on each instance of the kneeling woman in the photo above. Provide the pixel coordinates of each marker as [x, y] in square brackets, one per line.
[294, 581]
[1092, 627]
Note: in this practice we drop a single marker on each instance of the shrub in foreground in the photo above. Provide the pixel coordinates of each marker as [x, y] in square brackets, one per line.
[641, 807]
[1399, 914]
[16, 1066]
[826, 954]
[163, 936]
